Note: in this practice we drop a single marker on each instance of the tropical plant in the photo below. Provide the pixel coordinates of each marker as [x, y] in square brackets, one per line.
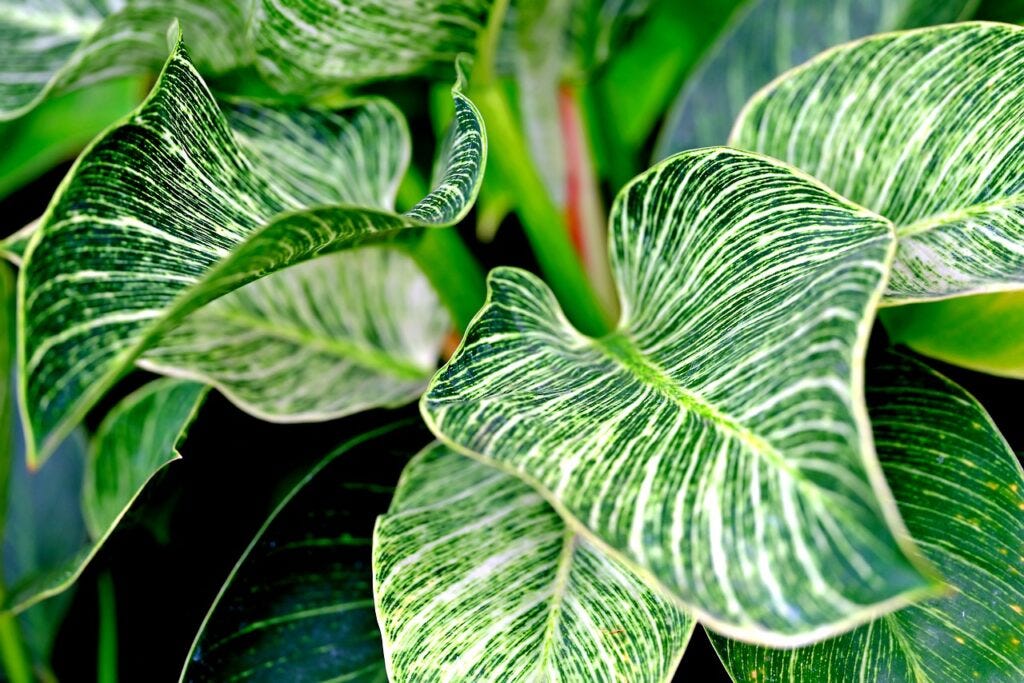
[684, 413]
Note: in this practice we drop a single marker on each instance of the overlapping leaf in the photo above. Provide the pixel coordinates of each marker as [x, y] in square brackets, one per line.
[924, 127]
[299, 603]
[54, 46]
[514, 594]
[301, 44]
[717, 439]
[347, 332]
[165, 213]
[136, 439]
[961, 491]
[766, 38]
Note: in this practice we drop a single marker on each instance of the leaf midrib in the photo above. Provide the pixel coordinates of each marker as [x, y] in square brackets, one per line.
[620, 348]
[342, 348]
[564, 566]
[940, 219]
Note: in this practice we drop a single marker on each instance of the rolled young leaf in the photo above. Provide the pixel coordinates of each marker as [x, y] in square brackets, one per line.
[298, 605]
[961, 491]
[718, 439]
[301, 45]
[767, 37]
[163, 214]
[924, 127]
[59, 45]
[136, 439]
[351, 331]
[514, 594]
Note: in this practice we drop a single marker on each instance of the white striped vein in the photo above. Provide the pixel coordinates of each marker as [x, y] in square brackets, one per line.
[301, 44]
[477, 578]
[768, 37]
[136, 439]
[718, 439]
[53, 46]
[163, 214]
[925, 127]
[340, 334]
[961, 491]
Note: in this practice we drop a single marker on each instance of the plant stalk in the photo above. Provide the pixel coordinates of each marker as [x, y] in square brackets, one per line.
[12, 650]
[106, 656]
[542, 221]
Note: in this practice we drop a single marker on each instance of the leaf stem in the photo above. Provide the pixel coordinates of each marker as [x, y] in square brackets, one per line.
[12, 650]
[542, 221]
[106, 656]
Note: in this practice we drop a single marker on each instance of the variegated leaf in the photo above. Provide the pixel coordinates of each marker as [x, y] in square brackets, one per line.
[717, 439]
[514, 594]
[164, 214]
[54, 46]
[961, 491]
[344, 333]
[767, 37]
[298, 606]
[925, 127]
[350, 331]
[136, 439]
[301, 44]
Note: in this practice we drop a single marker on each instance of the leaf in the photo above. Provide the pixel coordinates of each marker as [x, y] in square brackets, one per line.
[303, 45]
[959, 487]
[767, 37]
[984, 332]
[513, 593]
[61, 45]
[299, 603]
[923, 127]
[327, 338]
[136, 439]
[58, 129]
[717, 439]
[164, 214]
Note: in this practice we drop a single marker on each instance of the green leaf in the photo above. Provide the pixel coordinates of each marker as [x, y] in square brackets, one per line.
[136, 439]
[767, 37]
[337, 335]
[164, 214]
[925, 128]
[984, 332]
[298, 605]
[55, 47]
[717, 439]
[324, 339]
[513, 593]
[302, 45]
[961, 491]
[59, 128]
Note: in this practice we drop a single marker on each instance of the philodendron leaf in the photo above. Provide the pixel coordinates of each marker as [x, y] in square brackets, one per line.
[298, 606]
[961, 491]
[925, 127]
[513, 593]
[330, 337]
[718, 438]
[164, 214]
[301, 45]
[136, 439]
[60, 45]
[766, 38]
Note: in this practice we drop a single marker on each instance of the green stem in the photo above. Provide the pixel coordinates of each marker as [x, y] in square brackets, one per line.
[454, 273]
[542, 221]
[106, 658]
[12, 650]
